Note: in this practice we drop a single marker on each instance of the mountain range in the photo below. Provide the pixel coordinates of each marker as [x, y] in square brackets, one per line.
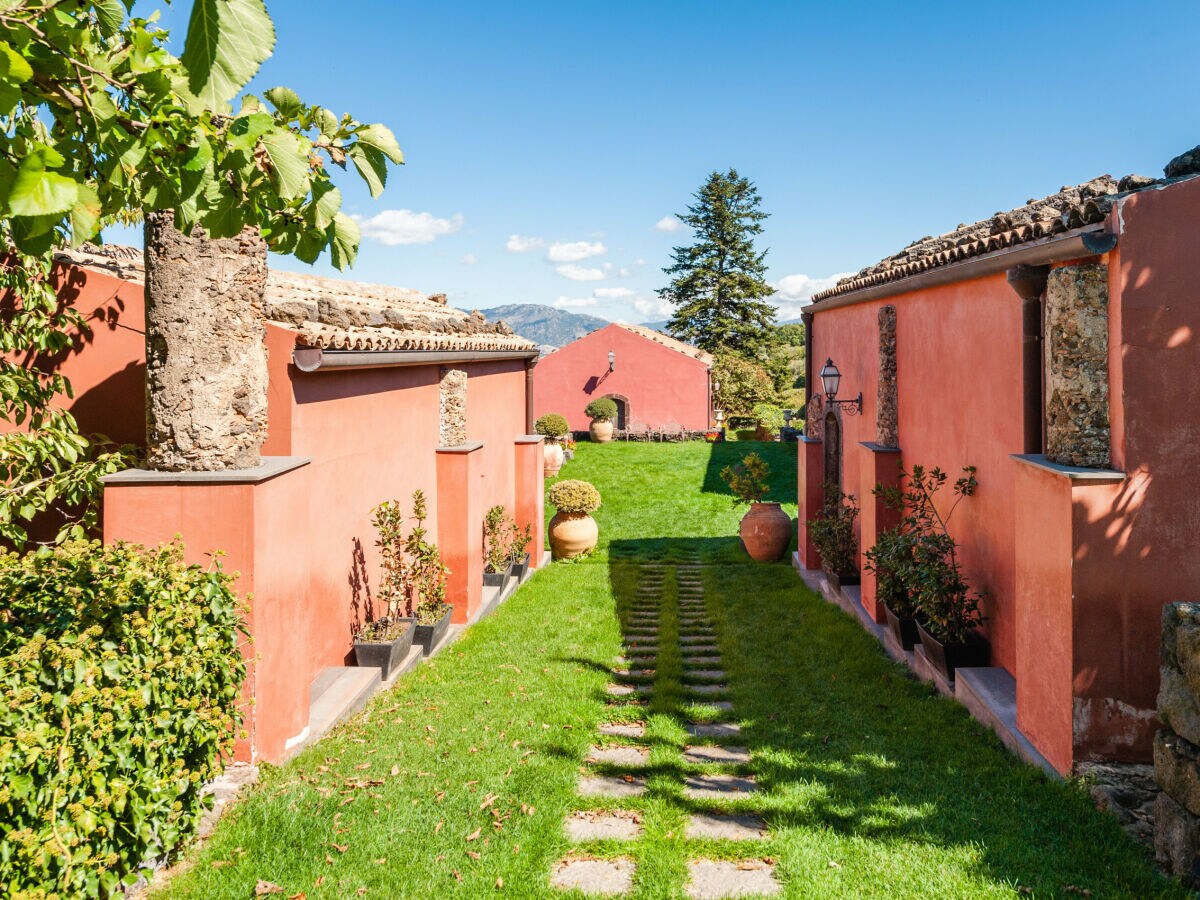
[545, 325]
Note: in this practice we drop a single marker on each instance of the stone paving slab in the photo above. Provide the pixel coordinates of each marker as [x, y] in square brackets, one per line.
[619, 690]
[718, 787]
[623, 729]
[713, 729]
[708, 690]
[701, 662]
[698, 755]
[604, 825]
[605, 877]
[611, 786]
[619, 756]
[719, 705]
[715, 826]
[710, 879]
[701, 650]
[702, 674]
[695, 639]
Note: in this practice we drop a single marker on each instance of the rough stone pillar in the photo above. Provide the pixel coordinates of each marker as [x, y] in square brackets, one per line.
[1076, 361]
[1176, 750]
[206, 363]
[453, 424]
[887, 421]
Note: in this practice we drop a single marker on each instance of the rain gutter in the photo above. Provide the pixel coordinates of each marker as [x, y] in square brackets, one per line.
[314, 359]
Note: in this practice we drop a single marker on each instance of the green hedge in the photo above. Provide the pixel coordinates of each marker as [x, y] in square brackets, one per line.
[120, 671]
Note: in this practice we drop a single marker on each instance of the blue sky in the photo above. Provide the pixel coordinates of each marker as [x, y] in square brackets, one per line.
[578, 127]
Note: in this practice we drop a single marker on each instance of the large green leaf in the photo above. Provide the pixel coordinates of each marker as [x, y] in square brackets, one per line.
[85, 215]
[285, 100]
[288, 153]
[38, 192]
[381, 138]
[227, 41]
[344, 238]
[371, 165]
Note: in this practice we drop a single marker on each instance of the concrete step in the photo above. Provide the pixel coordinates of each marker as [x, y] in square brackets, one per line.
[338, 693]
[991, 696]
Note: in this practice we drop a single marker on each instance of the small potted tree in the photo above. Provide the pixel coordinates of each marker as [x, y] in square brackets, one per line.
[518, 550]
[573, 531]
[554, 428]
[765, 530]
[496, 535]
[601, 411]
[384, 641]
[891, 560]
[832, 533]
[769, 419]
[427, 575]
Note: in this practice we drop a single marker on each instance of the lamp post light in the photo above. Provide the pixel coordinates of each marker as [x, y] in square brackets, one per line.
[612, 360]
[831, 378]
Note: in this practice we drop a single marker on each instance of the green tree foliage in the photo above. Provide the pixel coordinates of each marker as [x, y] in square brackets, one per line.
[717, 283]
[749, 480]
[99, 122]
[740, 386]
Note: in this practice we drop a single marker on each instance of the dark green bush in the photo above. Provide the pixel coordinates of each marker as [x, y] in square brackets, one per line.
[552, 425]
[602, 409]
[768, 417]
[120, 672]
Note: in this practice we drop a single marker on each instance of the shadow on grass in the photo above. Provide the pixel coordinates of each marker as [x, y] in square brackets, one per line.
[781, 457]
[844, 741]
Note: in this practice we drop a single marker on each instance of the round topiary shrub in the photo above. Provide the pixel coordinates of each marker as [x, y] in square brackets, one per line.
[603, 409]
[575, 496]
[552, 425]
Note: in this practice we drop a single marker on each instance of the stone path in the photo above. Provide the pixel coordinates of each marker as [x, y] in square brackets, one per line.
[717, 769]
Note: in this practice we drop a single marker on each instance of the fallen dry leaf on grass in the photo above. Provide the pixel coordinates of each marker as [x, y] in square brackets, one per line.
[474, 835]
[266, 887]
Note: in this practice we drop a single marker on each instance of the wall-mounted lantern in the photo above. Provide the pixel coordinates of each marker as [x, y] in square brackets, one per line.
[831, 378]
[612, 360]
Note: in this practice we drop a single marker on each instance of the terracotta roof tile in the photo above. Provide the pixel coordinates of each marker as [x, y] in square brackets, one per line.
[667, 341]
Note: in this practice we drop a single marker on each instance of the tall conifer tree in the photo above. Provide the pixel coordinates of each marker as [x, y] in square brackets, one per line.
[717, 283]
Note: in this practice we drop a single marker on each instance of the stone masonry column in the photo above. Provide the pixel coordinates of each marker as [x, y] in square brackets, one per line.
[529, 493]
[1177, 745]
[206, 363]
[460, 525]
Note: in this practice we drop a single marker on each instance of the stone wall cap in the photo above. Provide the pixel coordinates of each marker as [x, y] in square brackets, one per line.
[530, 439]
[805, 439]
[1073, 473]
[270, 467]
[469, 447]
[878, 448]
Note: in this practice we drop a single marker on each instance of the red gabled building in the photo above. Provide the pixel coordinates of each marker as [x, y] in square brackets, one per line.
[658, 382]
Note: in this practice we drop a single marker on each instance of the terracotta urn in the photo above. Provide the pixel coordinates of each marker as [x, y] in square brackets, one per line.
[572, 534]
[601, 431]
[552, 457]
[766, 532]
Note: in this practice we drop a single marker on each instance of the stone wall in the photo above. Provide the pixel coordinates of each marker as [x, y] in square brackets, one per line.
[453, 426]
[887, 422]
[1177, 745]
[1076, 361]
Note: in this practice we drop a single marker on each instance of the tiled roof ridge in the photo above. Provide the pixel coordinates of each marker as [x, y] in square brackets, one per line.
[667, 341]
[1070, 207]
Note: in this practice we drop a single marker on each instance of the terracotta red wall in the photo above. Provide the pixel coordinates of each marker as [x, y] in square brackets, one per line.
[664, 387]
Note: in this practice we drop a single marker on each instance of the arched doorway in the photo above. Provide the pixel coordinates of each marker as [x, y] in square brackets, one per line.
[622, 410]
[833, 451]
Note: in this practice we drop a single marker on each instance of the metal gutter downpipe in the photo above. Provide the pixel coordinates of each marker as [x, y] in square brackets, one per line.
[314, 359]
[529, 364]
[807, 318]
[1029, 282]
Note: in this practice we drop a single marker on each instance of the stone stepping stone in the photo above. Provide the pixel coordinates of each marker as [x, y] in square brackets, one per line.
[701, 674]
[619, 756]
[602, 877]
[709, 879]
[611, 786]
[604, 825]
[718, 827]
[701, 649]
[623, 729]
[695, 639]
[703, 755]
[713, 729]
[718, 787]
[708, 690]
[701, 661]
[720, 705]
[619, 690]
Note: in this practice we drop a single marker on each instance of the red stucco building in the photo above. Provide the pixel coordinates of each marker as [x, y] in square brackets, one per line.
[1055, 348]
[374, 392]
[658, 382]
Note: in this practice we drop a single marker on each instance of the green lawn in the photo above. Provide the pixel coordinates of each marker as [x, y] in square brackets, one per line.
[457, 782]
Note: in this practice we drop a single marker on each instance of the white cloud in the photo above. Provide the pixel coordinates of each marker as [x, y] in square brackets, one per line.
[668, 223]
[794, 292]
[653, 308]
[613, 293]
[518, 243]
[403, 226]
[579, 273]
[624, 272]
[470, 259]
[575, 302]
[575, 251]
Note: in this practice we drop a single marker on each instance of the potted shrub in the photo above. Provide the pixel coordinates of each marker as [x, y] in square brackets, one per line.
[518, 550]
[601, 411]
[496, 535]
[573, 531]
[766, 530]
[383, 642]
[427, 577]
[948, 611]
[832, 533]
[891, 559]
[554, 427]
[769, 419]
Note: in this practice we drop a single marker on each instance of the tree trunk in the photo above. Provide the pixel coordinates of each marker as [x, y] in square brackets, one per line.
[206, 362]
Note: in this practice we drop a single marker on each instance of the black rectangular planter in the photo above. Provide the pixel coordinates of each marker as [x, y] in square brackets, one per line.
[520, 569]
[429, 636]
[385, 655]
[903, 630]
[841, 581]
[495, 579]
[948, 657]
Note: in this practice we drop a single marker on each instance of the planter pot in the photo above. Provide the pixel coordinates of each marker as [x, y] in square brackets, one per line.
[948, 657]
[766, 532]
[903, 630]
[568, 453]
[572, 534]
[841, 580]
[429, 636]
[495, 579]
[520, 569]
[385, 655]
[601, 432]
[552, 458]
